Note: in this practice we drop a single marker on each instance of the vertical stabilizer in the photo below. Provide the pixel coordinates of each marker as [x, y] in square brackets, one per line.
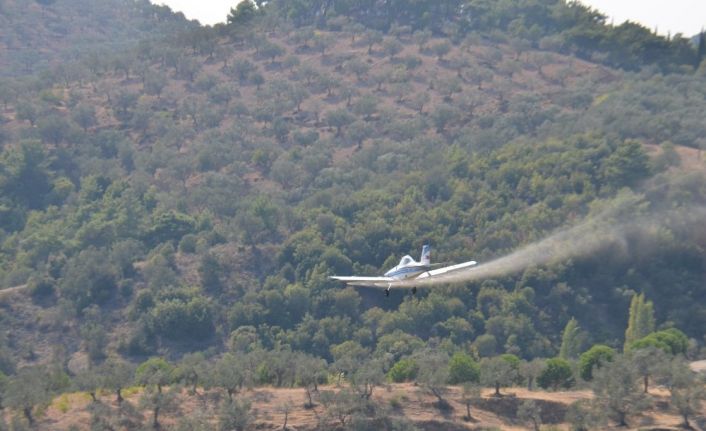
[426, 255]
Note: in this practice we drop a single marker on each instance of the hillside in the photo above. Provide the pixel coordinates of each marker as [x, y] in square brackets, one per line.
[190, 193]
[36, 35]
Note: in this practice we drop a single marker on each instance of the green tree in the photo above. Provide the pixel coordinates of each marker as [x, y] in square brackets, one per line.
[235, 416]
[593, 358]
[433, 374]
[671, 341]
[557, 373]
[648, 361]
[571, 340]
[27, 389]
[496, 372]
[339, 118]
[462, 369]
[115, 374]
[641, 320]
[616, 390]
[404, 370]
[154, 372]
[470, 392]
[530, 370]
[686, 389]
[530, 411]
[583, 415]
[228, 373]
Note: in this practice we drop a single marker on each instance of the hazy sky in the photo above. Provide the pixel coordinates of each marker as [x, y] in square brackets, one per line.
[667, 16]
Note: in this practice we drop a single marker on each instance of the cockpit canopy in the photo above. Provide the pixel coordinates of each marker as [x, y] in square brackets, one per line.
[406, 260]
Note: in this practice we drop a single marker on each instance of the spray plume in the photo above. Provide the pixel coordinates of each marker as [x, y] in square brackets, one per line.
[611, 226]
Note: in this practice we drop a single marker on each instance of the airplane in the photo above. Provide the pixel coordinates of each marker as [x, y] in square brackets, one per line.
[409, 273]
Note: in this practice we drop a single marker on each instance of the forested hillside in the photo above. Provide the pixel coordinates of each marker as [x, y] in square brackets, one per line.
[37, 34]
[183, 193]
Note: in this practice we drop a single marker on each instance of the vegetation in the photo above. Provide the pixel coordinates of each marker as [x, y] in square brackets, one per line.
[174, 198]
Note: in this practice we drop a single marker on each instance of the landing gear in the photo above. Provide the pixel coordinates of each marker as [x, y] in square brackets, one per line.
[387, 291]
[414, 290]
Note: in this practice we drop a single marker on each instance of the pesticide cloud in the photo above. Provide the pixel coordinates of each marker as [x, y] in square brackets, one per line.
[609, 227]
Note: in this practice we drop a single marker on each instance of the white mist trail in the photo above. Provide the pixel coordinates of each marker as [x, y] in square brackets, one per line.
[610, 227]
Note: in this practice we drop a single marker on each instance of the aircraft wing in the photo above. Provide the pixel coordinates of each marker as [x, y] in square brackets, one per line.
[447, 274]
[366, 281]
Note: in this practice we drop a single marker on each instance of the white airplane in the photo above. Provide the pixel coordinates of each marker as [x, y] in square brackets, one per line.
[409, 273]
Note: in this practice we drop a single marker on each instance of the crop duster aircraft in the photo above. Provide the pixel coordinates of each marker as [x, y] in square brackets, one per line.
[410, 273]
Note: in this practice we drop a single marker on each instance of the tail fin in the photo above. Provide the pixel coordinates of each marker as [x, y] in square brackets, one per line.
[426, 255]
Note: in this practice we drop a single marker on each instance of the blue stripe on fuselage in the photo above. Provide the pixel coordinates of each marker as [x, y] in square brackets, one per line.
[407, 272]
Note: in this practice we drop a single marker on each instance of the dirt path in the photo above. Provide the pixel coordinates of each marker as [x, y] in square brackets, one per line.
[10, 290]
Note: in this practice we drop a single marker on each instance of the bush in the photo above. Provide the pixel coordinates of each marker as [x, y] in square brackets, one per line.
[188, 243]
[462, 369]
[594, 357]
[404, 370]
[557, 373]
[40, 287]
[179, 319]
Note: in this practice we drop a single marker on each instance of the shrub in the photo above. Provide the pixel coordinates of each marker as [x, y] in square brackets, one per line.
[557, 373]
[403, 370]
[462, 369]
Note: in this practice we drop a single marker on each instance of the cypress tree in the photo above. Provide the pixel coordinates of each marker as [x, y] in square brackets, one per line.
[641, 321]
[570, 341]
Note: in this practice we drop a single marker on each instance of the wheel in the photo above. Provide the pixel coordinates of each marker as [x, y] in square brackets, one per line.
[387, 292]
[414, 290]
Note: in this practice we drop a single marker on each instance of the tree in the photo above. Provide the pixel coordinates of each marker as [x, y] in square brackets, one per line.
[672, 341]
[593, 358]
[190, 370]
[309, 370]
[322, 42]
[371, 37]
[529, 411]
[616, 390]
[228, 374]
[115, 375]
[272, 51]
[27, 389]
[84, 115]
[686, 389]
[557, 373]
[529, 370]
[366, 106]
[27, 111]
[367, 377]
[463, 369]
[357, 66]
[641, 320]
[391, 47]
[571, 340]
[158, 401]
[440, 49]
[339, 118]
[242, 14]
[53, 128]
[583, 416]
[469, 393]
[648, 361]
[496, 372]
[433, 374]
[154, 372]
[234, 415]
[404, 370]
